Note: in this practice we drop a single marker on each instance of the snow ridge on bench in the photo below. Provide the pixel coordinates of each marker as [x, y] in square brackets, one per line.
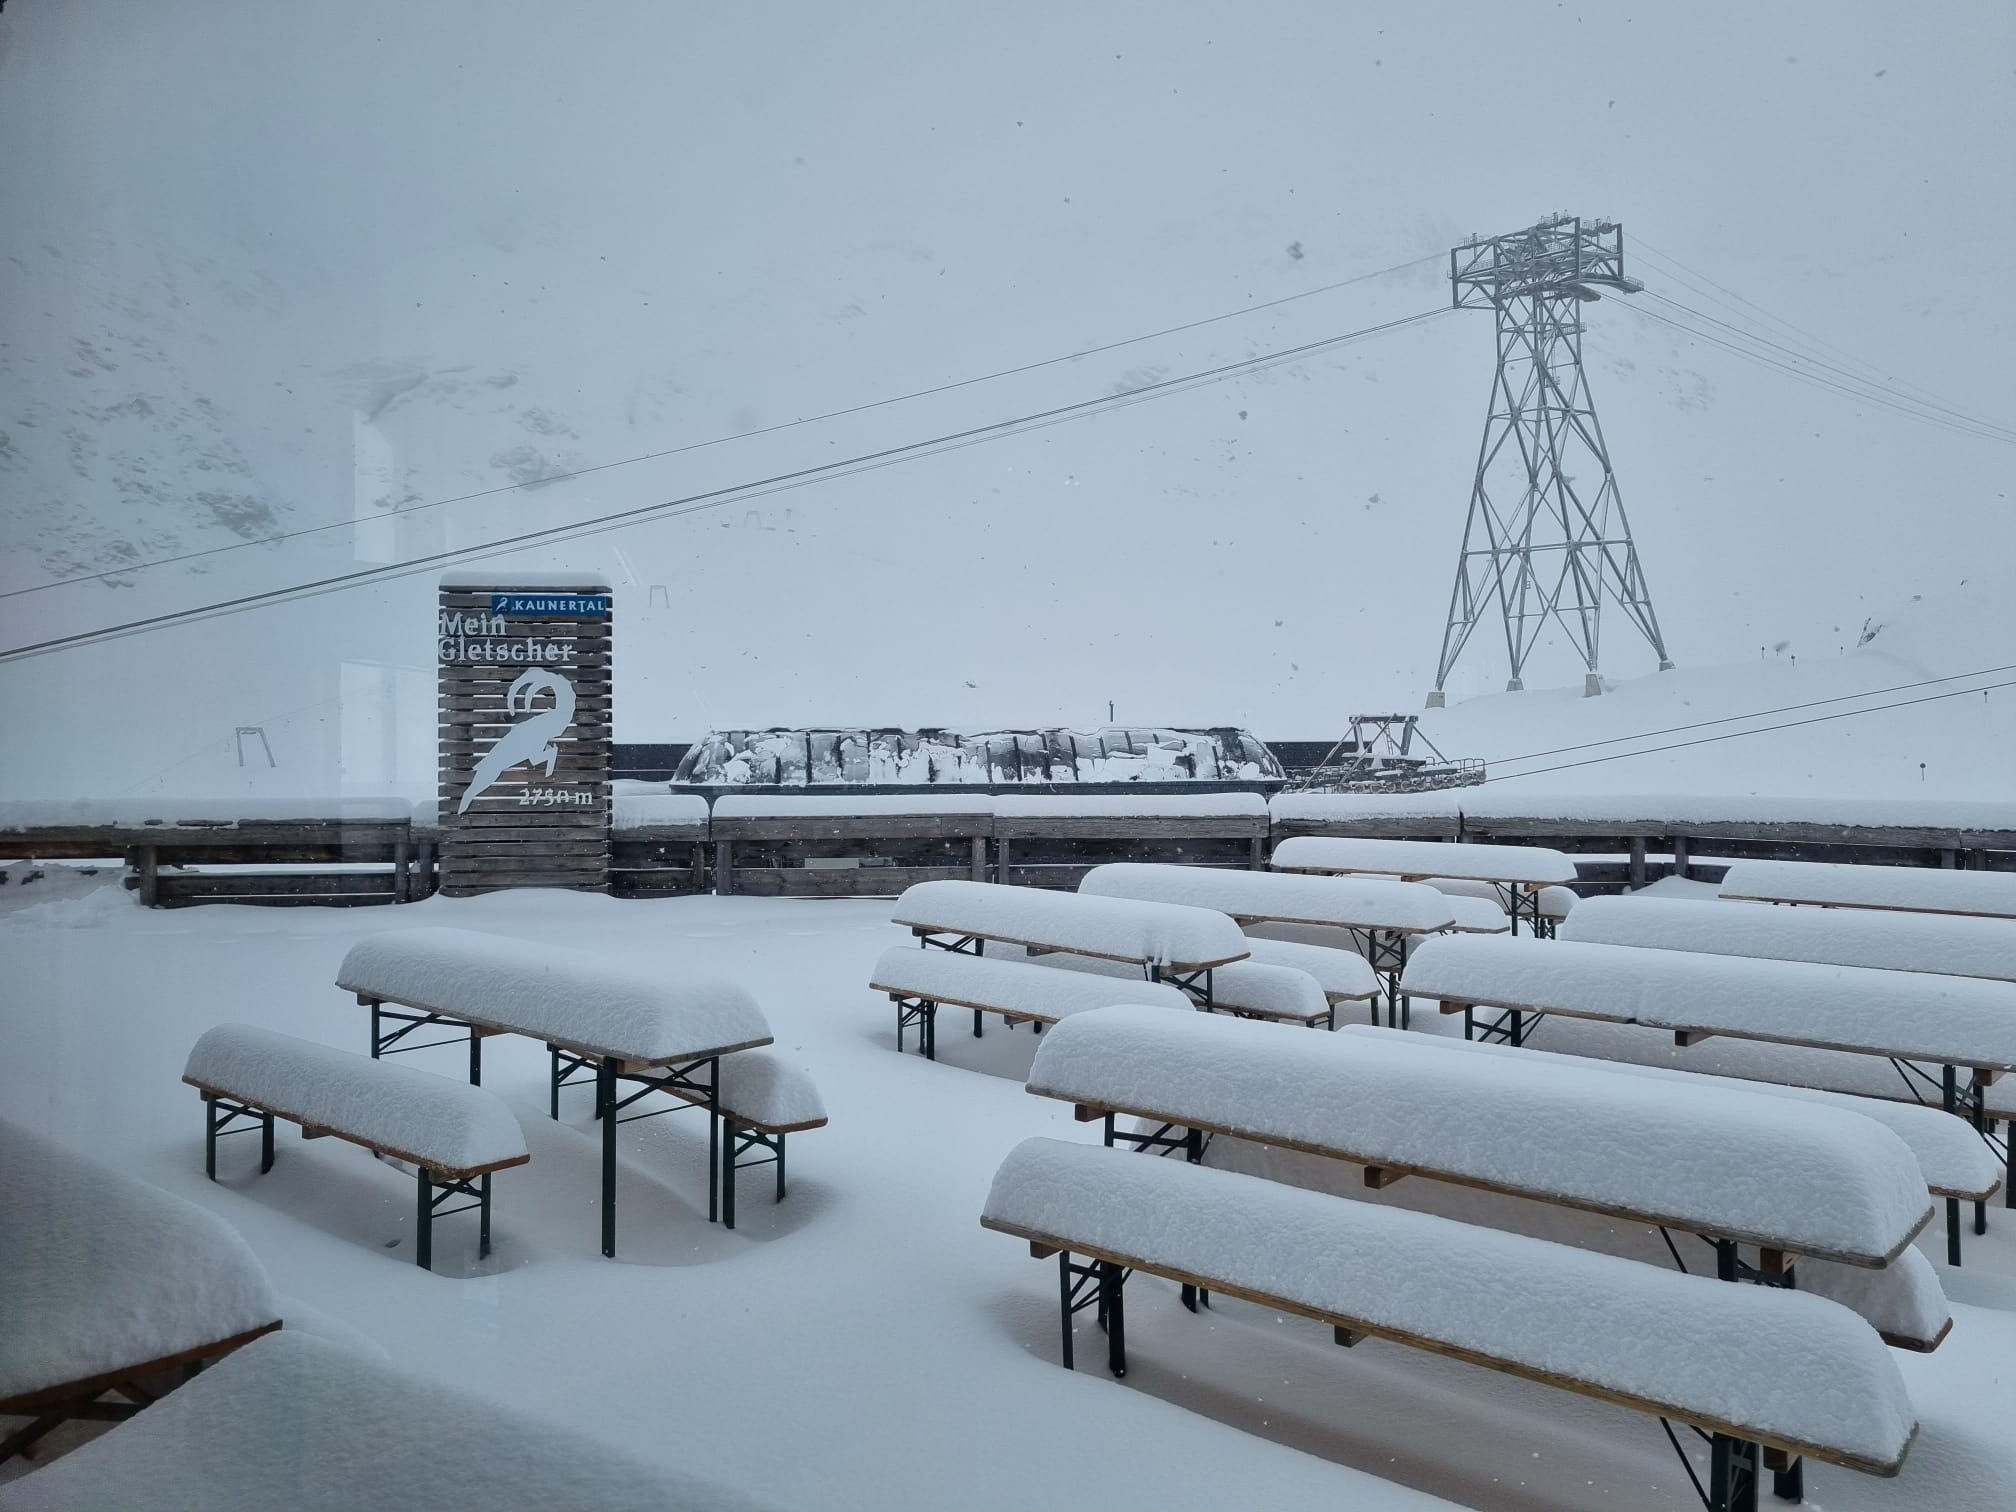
[1776, 1366]
[1951, 1156]
[1813, 1180]
[1342, 974]
[1016, 986]
[1510, 864]
[556, 993]
[1164, 934]
[1942, 943]
[99, 1272]
[1958, 1020]
[1274, 896]
[443, 1124]
[1915, 888]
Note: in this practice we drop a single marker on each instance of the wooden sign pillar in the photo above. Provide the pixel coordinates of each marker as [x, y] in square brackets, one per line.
[525, 726]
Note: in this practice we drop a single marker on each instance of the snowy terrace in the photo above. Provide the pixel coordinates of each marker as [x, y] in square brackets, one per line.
[838, 1349]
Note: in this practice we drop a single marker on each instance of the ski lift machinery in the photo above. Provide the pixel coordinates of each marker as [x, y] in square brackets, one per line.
[1386, 753]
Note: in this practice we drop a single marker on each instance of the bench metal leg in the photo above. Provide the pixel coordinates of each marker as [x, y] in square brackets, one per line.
[483, 1232]
[780, 1169]
[209, 1136]
[1788, 1475]
[265, 1143]
[727, 1171]
[423, 1233]
[1732, 1475]
[1112, 1286]
[714, 1144]
[977, 1021]
[925, 1016]
[1064, 1290]
[605, 1109]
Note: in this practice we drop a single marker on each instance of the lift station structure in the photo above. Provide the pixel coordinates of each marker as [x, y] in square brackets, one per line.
[1547, 537]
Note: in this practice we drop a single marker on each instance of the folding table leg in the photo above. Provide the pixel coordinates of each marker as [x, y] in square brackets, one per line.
[605, 1105]
[423, 1231]
[727, 1171]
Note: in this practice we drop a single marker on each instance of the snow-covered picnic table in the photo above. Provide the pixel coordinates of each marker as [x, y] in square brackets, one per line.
[1794, 1177]
[1377, 919]
[105, 1281]
[920, 982]
[667, 1033]
[298, 1423]
[1913, 889]
[1750, 1366]
[1167, 941]
[1939, 943]
[1518, 872]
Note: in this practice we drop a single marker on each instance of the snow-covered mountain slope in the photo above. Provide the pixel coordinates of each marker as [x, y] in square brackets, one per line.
[271, 270]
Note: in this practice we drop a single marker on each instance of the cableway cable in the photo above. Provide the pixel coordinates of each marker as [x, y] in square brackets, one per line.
[716, 498]
[693, 446]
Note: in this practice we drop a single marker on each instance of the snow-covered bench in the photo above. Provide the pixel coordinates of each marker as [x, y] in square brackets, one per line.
[1378, 918]
[454, 1135]
[1166, 941]
[1518, 873]
[1815, 1183]
[1279, 991]
[1344, 976]
[1957, 1165]
[1755, 1368]
[106, 1282]
[667, 1032]
[1551, 904]
[297, 1422]
[919, 982]
[1913, 889]
[1939, 943]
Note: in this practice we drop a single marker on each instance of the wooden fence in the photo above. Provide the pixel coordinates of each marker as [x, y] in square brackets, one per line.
[810, 848]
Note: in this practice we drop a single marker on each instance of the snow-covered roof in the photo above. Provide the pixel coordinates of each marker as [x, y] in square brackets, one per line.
[444, 1124]
[298, 1422]
[1129, 805]
[1951, 1020]
[1342, 974]
[1164, 934]
[1016, 986]
[1810, 1179]
[1890, 941]
[99, 1272]
[1950, 1154]
[1345, 902]
[844, 805]
[556, 993]
[645, 810]
[1652, 813]
[1790, 1369]
[1511, 864]
[1920, 889]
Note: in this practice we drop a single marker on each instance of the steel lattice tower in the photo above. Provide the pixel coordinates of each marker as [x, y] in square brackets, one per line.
[1547, 537]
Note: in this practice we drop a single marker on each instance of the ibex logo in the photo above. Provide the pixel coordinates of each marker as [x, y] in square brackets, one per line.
[532, 738]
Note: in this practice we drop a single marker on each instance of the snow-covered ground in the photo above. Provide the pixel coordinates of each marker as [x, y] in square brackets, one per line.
[865, 1344]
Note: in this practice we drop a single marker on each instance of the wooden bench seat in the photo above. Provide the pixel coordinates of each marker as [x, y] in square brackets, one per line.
[453, 1134]
[107, 1283]
[1767, 1368]
[1344, 976]
[919, 982]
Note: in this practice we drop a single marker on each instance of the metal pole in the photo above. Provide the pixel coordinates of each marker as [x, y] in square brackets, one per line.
[605, 1107]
